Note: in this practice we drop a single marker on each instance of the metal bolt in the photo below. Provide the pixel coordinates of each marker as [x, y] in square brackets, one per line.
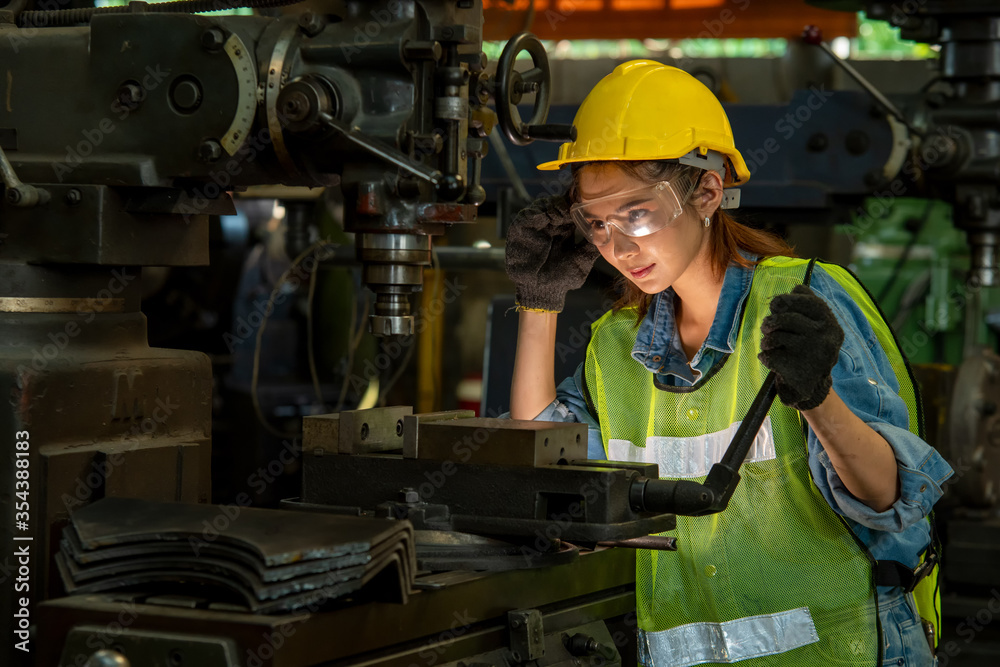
[817, 142]
[296, 106]
[410, 495]
[186, 95]
[74, 197]
[447, 32]
[516, 623]
[209, 151]
[399, 427]
[857, 142]
[364, 431]
[312, 23]
[131, 94]
[13, 196]
[108, 658]
[213, 40]
[874, 178]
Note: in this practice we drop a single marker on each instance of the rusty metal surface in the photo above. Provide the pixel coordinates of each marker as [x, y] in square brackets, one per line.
[411, 427]
[509, 442]
[444, 212]
[321, 432]
[375, 430]
[65, 305]
[356, 431]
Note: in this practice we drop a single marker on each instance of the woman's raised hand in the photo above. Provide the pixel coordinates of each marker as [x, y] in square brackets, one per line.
[543, 259]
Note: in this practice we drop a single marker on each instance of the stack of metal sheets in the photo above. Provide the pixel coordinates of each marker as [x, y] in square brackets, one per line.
[268, 561]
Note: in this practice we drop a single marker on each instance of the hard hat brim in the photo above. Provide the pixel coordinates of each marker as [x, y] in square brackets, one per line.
[739, 165]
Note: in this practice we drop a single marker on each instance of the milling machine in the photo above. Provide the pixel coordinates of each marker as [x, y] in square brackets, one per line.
[124, 129]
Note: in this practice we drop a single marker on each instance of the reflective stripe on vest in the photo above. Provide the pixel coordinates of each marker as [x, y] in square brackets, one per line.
[778, 546]
[742, 639]
[684, 458]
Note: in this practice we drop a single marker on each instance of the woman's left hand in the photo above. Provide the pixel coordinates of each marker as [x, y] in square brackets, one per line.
[800, 343]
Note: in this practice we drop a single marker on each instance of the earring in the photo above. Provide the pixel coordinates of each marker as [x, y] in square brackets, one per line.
[708, 221]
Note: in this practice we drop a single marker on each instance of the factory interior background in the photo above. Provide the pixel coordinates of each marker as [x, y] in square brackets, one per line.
[252, 258]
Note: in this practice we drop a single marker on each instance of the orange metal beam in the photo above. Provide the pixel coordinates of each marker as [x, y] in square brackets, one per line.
[661, 19]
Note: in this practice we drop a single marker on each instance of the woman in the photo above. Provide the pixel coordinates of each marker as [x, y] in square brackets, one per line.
[814, 559]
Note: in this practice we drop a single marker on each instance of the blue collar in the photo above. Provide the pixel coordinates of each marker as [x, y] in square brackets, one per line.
[658, 347]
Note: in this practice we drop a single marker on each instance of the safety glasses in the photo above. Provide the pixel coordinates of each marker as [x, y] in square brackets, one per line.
[638, 212]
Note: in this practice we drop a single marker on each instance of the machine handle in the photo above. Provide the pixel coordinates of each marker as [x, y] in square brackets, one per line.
[651, 542]
[582, 646]
[551, 132]
[510, 86]
[813, 35]
[687, 498]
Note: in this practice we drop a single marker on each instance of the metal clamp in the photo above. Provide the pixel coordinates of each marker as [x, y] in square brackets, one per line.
[527, 635]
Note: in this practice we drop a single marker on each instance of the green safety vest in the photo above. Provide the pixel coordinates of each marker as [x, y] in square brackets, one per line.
[777, 578]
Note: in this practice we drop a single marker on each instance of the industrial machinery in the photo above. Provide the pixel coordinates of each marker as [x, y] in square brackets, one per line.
[945, 147]
[124, 128]
[953, 156]
[513, 533]
[954, 121]
[513, 542]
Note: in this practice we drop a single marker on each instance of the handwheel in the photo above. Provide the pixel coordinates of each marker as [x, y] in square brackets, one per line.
[512, 85]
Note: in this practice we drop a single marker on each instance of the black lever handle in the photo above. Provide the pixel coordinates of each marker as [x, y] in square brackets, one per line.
[550, 132]
[687, 498]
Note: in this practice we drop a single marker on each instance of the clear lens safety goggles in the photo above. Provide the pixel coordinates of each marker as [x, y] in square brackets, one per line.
[639, 212]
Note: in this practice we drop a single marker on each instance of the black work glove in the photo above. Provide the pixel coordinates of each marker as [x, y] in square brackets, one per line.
[543, 260]
[801, 341]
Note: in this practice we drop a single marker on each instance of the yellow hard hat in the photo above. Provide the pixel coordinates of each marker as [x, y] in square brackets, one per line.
[645, 110]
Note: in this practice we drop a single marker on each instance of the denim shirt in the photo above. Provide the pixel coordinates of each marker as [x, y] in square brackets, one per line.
[864, 380]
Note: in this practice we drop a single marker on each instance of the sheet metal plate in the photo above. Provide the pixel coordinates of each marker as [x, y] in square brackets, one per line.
[278, 537]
